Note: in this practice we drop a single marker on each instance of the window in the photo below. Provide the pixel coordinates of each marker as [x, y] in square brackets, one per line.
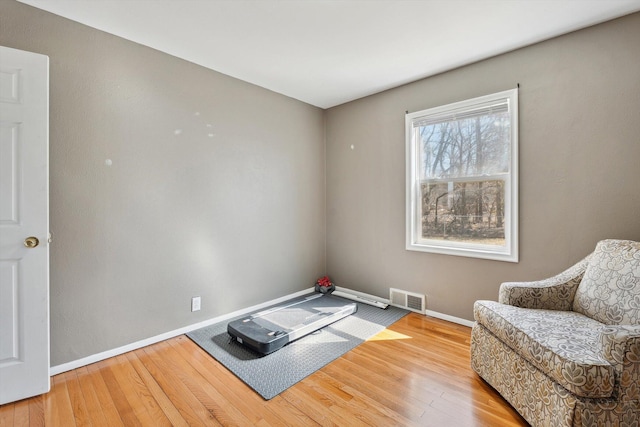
[462, 178]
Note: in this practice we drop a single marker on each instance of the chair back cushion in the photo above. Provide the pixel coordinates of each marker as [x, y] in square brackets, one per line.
[610, 289]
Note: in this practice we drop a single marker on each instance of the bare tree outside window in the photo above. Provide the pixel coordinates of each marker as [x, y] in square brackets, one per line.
[458, 202]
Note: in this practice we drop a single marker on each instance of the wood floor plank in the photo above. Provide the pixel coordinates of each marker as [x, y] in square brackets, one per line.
[49, 406]
[403, 376]
[21, 413]
[6, 414]
[36, 411]
[415, 373]
[92, 402]
[214, 400]
[64, 410]
[398, 379]
[165, 404]
[76, 397]
[118, 395]
[238, 390]
[182, 403]
[191, 408]
[317, 402]
[245, 403]
[107, 406]
[145, 406]
[294, 416]
[418, 360]
[375, 404]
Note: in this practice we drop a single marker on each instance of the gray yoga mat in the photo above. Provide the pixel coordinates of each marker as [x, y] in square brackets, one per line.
[272, 374]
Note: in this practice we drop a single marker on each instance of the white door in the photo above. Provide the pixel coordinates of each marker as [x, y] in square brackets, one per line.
[24, 224]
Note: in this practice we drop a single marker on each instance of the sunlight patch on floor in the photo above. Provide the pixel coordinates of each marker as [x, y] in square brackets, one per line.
[387, 335]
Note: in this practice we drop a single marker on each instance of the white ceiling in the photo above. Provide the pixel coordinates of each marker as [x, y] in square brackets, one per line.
[328, 52]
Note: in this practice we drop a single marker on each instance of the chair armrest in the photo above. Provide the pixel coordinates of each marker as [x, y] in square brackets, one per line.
[620, 342]
[555, 293]
[621, 348]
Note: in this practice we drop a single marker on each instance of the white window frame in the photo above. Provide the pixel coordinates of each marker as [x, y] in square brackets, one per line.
[414, 239]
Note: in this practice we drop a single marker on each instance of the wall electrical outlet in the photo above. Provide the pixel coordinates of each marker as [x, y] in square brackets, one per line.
[195, 303]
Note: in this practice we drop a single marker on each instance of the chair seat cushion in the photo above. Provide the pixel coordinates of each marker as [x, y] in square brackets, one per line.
[562, 344]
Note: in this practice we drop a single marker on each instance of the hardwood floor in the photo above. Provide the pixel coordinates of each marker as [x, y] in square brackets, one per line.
[415, 373]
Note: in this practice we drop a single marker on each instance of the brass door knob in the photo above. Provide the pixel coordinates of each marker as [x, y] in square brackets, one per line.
[31, 242]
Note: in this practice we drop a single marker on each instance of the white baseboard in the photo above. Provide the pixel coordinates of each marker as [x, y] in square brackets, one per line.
[362, 294]
[448, 318]
[64, 367]
[431, 313]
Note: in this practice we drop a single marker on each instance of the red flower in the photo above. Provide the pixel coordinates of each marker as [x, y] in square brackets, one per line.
[324, 281]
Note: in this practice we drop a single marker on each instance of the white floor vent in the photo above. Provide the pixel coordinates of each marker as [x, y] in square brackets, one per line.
[409, 300]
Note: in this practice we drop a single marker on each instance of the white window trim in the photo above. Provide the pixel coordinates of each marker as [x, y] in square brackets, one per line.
[509, 252]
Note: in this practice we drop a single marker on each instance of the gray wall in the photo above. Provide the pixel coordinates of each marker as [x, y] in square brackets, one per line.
[579, 176]
[237, 217]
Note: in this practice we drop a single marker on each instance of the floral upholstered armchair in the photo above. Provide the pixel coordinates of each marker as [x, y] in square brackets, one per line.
[565, 351]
